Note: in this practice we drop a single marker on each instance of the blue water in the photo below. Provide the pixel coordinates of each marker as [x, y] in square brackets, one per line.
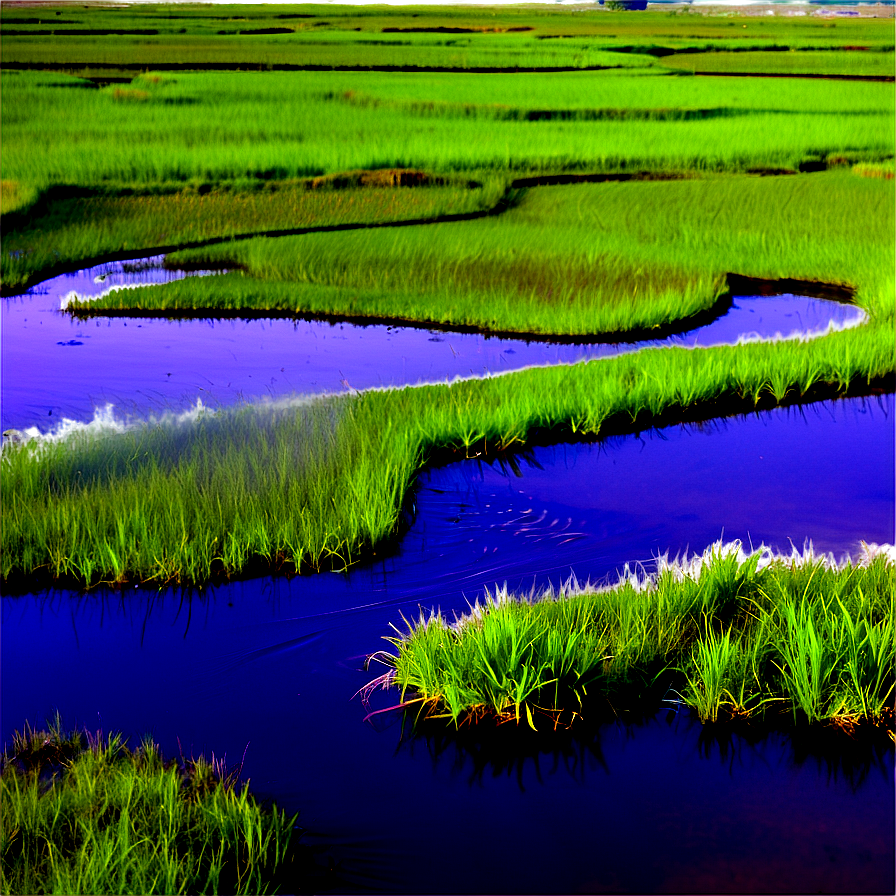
[658, 807]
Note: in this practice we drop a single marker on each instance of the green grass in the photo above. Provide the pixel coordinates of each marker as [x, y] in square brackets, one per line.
[855, 63]
[579, 259]
[204, 127]
[322, 483]
[82, 813]
[63, 230]
[739, 635]
[408, 36]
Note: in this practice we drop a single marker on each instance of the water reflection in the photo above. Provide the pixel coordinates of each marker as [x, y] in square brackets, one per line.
[476, 753]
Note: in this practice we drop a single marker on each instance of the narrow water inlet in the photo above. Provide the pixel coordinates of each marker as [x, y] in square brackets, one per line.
[55, 366]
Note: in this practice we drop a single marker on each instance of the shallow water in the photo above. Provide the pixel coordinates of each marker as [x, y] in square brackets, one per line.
[273, 663]
[54, 366]
[659, 807]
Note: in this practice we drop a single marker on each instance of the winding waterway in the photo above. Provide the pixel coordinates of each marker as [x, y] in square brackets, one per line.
[55, 366]
[661, 806]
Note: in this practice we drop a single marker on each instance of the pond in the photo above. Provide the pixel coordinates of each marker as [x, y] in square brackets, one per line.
[268, 667]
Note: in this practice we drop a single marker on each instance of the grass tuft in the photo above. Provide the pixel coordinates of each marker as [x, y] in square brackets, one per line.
[735, 634]
[82, 813]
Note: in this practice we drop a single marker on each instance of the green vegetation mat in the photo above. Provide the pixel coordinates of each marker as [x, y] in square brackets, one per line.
[726, 634]
[83, 814]
[563, 260]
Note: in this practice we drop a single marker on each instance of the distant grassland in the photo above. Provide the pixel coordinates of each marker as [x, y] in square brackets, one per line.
[407, 37]
[855, 62]
[577, 259]
[137, 146]
[336, 50]
[275, 126]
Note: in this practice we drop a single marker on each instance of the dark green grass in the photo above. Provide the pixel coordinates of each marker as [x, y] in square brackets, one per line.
[206, 127]
[564, 260]
[856, 63]
[322, 484]
[735, 635]
[194, 35]
[64, 229]
[82, 813]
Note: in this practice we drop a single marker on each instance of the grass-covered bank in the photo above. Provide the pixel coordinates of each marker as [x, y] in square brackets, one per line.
[324, 483]
[68, 227]
[726, 634]
[84, 814]
[581, 259]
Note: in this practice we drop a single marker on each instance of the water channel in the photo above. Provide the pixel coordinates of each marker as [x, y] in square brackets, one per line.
[664, 805]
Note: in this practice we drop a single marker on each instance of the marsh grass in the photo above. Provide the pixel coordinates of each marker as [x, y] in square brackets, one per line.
[322, 483]
[738, 635]
[212, 127]
[582, 259]
[83, 813]
[854, 63]
[62, 229]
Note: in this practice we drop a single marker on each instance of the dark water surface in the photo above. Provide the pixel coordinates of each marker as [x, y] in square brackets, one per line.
[657, 807]
[55, 366]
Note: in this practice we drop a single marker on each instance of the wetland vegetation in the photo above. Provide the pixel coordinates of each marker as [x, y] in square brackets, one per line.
[557, 172]
[84, 813]
[727, 634]
[310, 139]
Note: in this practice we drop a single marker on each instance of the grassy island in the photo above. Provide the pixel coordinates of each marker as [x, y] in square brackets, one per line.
[83, 813]
[726, 634]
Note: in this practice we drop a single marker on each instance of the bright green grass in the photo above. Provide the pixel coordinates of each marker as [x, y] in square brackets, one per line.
[27, 31]
[324, 50]
[736, 635]
[276, 126]
[323, 483]
[85, 227]
[578, 259]
[824, 62]
[82, 813]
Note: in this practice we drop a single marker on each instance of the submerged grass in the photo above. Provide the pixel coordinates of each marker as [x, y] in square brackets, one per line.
[83, 813]
[738, 635]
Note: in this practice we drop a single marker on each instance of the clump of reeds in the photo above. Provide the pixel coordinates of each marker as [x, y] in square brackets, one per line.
[726, 633]
[83, 813]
